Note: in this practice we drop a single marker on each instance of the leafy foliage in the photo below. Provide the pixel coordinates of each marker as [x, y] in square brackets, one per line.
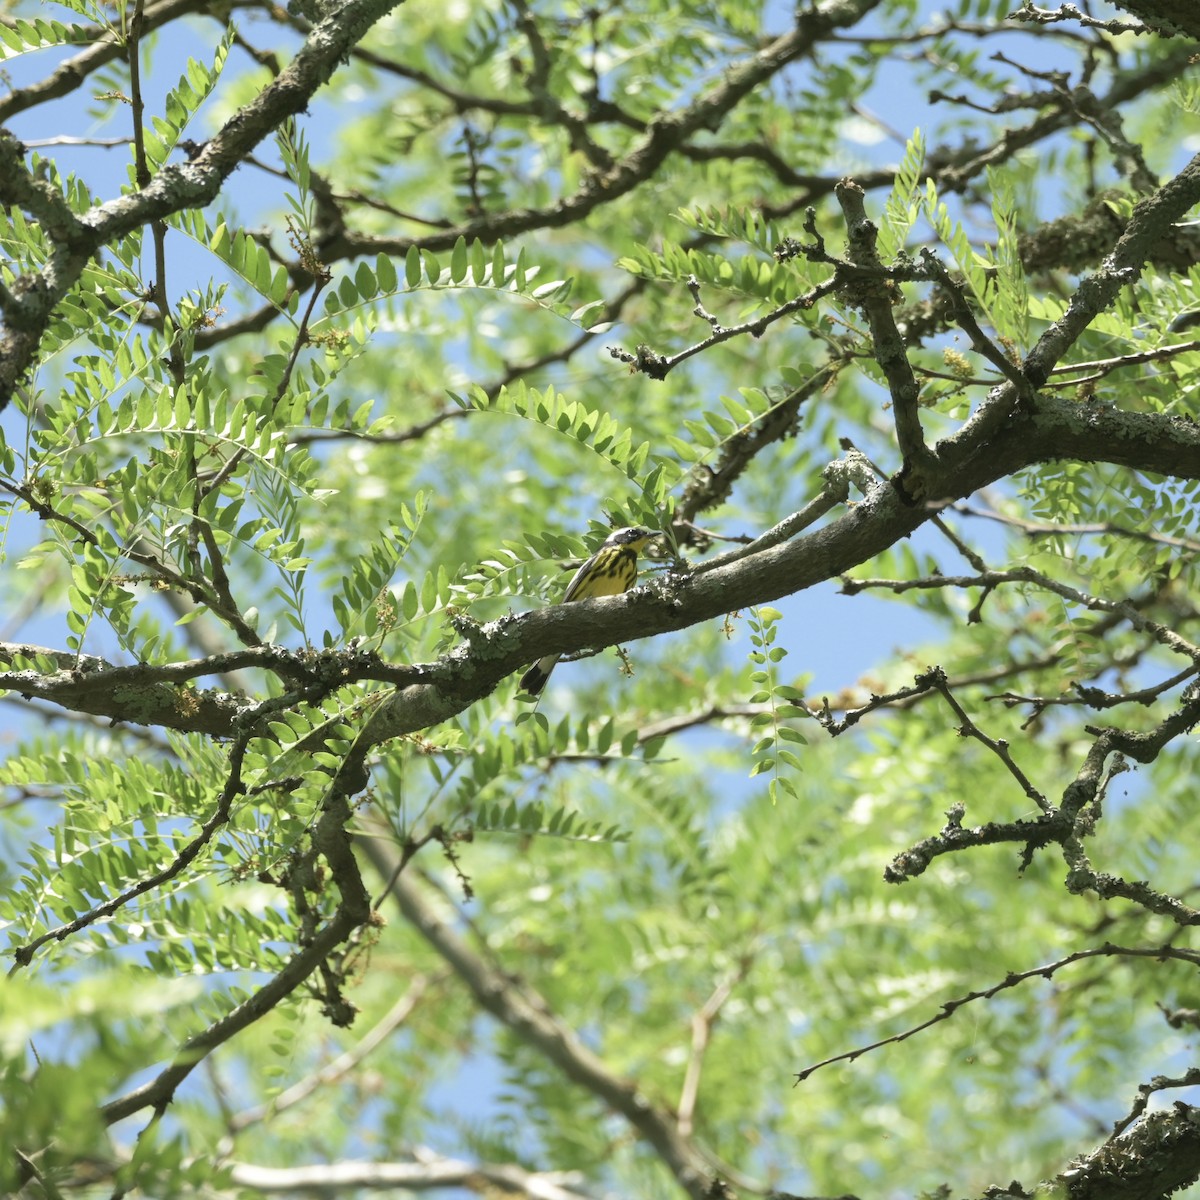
[374, 328]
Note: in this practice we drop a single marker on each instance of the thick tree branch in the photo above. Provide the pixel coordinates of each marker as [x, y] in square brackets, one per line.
[1160, 1155]
[1151, 222]
[331, 840]
[429, 694]
[529, 1016]
[29, 303]
[104, 48]
[1058, 429]
[874, 294]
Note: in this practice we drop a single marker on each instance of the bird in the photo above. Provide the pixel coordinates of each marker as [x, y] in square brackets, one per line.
[609, 572]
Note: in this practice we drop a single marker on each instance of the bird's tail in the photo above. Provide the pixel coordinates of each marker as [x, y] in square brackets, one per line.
[535, 678]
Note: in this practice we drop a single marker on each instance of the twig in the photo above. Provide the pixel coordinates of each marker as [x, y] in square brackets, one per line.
[330, 841]
[999, 747]
[702, 1022]
[68, 140]
[936, 520]
[1009, 981]
[791, 525]
[158, 227]
[1161, 633]
[430, 1173]
[1104, 366]
[337, 1067]
[159, 1091]
[101, 47]
[1151, 221]
[1146, 1090]
[1095, 698]
[980, 342]
[1051, 529]
[321, 278]
[659, 366]
[233, 788]
[196, 589]
[923, 685]
[1082, 876]
[693, 286]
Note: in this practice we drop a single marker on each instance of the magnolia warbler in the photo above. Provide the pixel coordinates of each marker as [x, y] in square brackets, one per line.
[609, 572]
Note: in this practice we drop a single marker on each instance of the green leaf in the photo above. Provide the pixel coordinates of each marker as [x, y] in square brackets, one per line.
[458, 261]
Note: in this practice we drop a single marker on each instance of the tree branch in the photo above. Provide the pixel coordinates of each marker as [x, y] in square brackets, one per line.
[1011, 980]
[23, 955]
[530, 1017]
[32, 298]
[1151, 222]
[337, 1067]
[434, 1172]
[875, 295]
[331, 840]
